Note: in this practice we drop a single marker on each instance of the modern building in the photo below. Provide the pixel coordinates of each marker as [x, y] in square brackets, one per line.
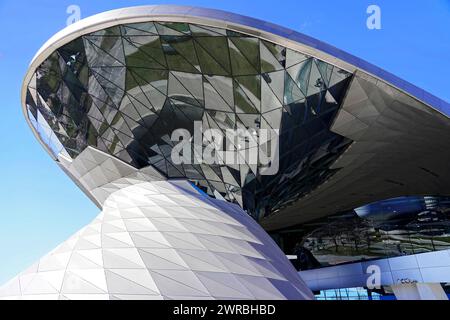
[216, 144]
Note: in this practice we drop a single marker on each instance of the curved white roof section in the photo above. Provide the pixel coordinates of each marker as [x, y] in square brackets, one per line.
[222, 19]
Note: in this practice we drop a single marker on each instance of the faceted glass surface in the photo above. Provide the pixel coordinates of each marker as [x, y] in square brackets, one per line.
[125, 89]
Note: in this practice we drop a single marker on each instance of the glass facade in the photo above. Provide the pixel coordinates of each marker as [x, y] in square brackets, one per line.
[389, 228]
[360, 293]
[351, 294]
[125, 89]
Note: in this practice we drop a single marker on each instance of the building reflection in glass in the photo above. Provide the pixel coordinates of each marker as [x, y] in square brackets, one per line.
[388, 228]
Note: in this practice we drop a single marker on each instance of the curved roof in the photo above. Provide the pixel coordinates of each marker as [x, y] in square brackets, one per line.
[223, 19]
[355, 135]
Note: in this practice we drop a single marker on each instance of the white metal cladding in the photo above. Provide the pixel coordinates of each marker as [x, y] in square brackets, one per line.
[430, 267]
[158, 240]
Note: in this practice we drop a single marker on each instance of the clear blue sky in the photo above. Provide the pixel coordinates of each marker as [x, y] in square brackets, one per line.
[40, 206]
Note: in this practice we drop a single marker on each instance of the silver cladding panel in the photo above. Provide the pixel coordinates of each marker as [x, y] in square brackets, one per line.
[163, 240]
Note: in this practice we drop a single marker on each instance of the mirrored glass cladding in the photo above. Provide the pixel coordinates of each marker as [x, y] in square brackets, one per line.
[388, 228]
[125, 89]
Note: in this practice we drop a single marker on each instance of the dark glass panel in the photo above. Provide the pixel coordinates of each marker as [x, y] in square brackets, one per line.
[249, 48]
[124, 90]
[213, 55]
[137, 29]
[204, 31]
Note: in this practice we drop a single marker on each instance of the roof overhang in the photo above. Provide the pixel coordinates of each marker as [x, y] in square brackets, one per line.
[376, 100]
[222, 19]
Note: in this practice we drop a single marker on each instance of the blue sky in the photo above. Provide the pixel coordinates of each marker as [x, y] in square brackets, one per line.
[40, 206]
